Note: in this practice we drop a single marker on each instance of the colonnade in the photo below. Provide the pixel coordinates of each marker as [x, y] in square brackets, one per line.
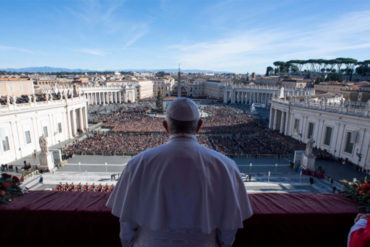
[344, 134]
[77, 120]
[260, 94]
[279, 120]
[103, 98]
[248, 97]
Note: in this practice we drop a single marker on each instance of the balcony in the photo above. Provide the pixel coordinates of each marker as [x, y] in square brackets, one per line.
[43, 218]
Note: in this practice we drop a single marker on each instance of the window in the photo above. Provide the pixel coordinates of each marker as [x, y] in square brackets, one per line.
[45, 129]
[349, 143]
[60, 127]
[20, 87]
[328, 136]
[310, 130]
[296, 126]
[28, 136]
[5, 143]
[11, 88]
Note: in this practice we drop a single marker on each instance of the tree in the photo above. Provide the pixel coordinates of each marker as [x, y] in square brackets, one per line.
[159, 102]
[161, 74]
[334, 77]
[282, 66]
[269, 70]
[363, 69]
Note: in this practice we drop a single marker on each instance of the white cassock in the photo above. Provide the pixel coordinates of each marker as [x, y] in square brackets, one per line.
[180, 194]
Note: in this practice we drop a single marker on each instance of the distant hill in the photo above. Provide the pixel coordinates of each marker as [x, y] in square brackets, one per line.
[46, 69]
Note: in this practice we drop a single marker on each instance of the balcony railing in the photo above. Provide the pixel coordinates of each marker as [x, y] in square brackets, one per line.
[44, 218]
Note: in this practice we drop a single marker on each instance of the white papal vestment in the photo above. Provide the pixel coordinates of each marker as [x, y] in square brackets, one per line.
[180, 194]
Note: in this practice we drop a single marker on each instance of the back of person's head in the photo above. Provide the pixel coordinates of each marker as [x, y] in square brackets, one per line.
[182, 116]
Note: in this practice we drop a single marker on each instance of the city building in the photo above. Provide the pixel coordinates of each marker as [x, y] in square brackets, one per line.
[21, 125]
[15, 86]
[341, 129]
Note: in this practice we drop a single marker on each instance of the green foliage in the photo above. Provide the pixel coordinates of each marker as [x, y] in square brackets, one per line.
[323, 66]
[159, 102]
[161, 74]
[364, 68]
[360, 192]
[334, 77]
[269, 70]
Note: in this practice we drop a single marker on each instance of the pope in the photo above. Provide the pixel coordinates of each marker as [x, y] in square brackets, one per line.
[180, 193]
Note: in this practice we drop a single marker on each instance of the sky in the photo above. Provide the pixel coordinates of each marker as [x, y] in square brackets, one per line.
[222, 35]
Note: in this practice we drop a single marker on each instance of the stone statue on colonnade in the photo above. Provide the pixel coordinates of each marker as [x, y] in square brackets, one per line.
[309, 147]
[43, 144]
[309, 159]
[45, 157]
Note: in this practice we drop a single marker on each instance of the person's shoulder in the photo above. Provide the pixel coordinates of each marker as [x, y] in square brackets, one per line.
[144, 155]
[217, 156]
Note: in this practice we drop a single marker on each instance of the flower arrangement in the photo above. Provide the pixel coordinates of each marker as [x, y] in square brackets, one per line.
[9, 187]
[83, 188]
[360, 192]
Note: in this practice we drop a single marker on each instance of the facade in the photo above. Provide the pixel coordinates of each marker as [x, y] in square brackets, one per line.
[16, 87]
[144, 89]
[261, 94]
[208, 89]
[332, 87]
[21, 125]
[81, 80]
[109, 95]
[165, 87]
[267, 80]
[342, 130]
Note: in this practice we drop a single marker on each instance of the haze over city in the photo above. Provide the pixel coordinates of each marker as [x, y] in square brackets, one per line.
[187, 123]
[229, 35]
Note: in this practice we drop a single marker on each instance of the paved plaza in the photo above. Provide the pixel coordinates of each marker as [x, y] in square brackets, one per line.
[266, 175]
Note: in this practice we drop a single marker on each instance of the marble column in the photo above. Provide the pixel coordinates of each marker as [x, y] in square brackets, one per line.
[281, 130]
[73, 122]
[271, 120]
[81, 120]
[85, 120]
[286, 123]
[225, 96]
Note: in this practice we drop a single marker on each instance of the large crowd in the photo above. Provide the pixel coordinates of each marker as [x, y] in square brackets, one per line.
[220, 119]
[228, 130]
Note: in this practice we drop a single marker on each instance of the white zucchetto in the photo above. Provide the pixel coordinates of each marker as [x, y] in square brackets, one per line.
[183, 109]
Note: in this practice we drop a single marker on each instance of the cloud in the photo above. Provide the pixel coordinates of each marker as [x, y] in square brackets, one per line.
[106, 17]
[94, 52]
[136, 33]
[258, 48]
[12, 48]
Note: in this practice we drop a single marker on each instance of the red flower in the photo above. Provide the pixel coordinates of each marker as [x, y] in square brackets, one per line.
[2, 193]
[365, 186]
[6, 175]
[6, 185]
[16, 179]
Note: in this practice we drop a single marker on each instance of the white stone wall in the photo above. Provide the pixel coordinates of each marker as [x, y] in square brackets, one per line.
[283, 116]
[146, 89]
[15, 120]
[213, 90]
